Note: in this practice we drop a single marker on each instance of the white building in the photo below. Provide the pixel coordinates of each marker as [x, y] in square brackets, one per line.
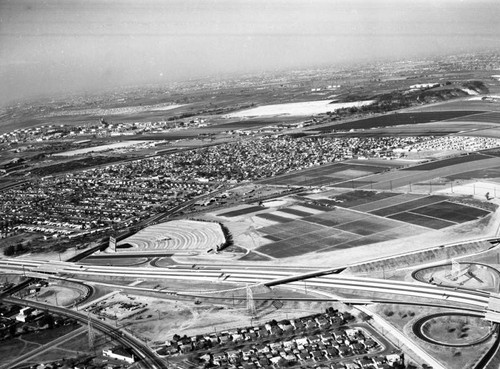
[119, 353]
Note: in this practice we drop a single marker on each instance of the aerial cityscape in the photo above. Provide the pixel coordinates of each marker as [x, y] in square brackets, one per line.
[249, 184]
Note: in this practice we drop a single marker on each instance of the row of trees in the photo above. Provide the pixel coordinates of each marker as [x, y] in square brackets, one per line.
[16, 249]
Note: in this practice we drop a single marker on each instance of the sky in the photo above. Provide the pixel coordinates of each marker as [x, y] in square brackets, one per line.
[55, 47]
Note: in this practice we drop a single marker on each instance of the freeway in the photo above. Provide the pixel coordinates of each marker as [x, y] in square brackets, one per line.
[475, 301]
[255, 275]
[142, 351]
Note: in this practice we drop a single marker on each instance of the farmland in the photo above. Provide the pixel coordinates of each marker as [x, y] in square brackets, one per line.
[448, 162]
[329, 174]
[343, 218]
[397, 119]
[345, 228]
[491, 117]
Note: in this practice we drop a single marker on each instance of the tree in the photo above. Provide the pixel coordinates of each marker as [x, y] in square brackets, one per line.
[9, 250]
[48, 320]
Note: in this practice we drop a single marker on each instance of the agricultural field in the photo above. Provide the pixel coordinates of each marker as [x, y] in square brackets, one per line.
[396, 119]
[407, 178]
[480, 173]
[326, 231]
[448, 162]
[479, 106]
[400, 205]
[490, 117]
[330, 174]
[242, 211]
[340, 219]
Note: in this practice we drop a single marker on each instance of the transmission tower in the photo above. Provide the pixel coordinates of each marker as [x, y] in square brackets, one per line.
[250, 301]
[91, 334]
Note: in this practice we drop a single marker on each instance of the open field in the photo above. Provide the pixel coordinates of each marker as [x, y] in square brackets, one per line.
[13, 348]
[116, 111]
[160, 319]
[59, 295]
[297, 108]
[48, 335]
[110, 147]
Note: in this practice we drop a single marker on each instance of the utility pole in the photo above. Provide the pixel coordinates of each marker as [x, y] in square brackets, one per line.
[250, 301]
[91, 333]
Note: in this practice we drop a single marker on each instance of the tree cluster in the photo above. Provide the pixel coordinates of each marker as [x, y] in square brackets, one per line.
[15, 250]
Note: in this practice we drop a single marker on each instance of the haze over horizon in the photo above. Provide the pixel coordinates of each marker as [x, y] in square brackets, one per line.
[68, 46]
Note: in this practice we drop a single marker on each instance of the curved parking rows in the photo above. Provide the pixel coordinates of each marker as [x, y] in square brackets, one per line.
[177, 235]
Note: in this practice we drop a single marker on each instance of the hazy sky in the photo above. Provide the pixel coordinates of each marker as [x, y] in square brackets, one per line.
[58, 46]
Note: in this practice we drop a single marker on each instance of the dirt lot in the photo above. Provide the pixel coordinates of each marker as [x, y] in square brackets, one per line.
[161, 318]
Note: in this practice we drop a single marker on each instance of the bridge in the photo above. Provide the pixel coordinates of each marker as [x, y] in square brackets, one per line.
[485, 303]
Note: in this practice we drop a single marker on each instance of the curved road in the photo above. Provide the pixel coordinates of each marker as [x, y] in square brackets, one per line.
[141, 351]
[321, 279]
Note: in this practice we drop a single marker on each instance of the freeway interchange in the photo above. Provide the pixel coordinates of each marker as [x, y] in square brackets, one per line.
[480, 302]
[252, 275]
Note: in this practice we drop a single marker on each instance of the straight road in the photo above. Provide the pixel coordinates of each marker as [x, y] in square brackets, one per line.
[147, 357]
[238, 275]
[43, 348]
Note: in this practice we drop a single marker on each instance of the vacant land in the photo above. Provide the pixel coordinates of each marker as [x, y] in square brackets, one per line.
[305, 108]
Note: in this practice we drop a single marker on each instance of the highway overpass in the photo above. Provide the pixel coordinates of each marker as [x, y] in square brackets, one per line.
[325, 279]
